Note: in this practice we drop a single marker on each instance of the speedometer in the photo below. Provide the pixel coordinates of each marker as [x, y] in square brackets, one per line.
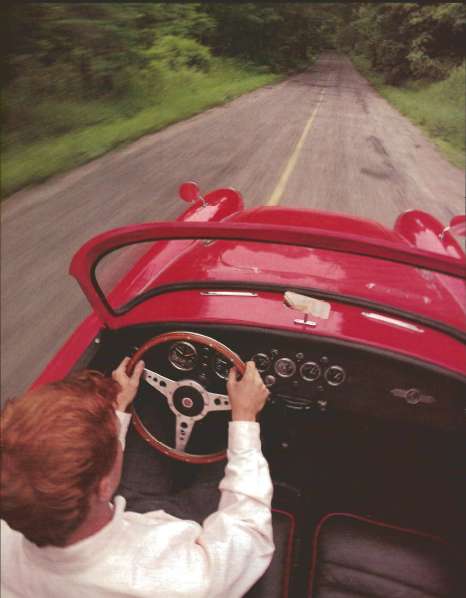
[221, 366]
[183, 356]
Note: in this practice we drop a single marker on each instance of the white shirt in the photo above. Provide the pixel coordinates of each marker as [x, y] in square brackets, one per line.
[154, 554]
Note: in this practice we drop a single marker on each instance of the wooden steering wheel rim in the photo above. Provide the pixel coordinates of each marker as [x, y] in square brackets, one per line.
[137, 422]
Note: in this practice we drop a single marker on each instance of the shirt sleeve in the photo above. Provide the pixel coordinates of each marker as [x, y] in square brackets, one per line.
[124, 419]
[237, 539]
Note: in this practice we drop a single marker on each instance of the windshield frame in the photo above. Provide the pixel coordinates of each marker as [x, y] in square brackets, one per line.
[84, 263]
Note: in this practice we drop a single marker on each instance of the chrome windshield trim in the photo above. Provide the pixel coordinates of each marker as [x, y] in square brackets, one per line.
[229, 293]
[448, 329]
[394, 321]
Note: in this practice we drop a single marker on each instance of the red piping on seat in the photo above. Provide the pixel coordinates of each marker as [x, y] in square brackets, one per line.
[289, 551]
[324, 519]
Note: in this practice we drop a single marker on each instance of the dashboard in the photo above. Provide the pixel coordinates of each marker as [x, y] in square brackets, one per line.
[351, 428]
[305, 373]
[291, 372]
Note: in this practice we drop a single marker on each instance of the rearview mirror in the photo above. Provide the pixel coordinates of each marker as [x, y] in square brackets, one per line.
[189, 192]
[458, 225]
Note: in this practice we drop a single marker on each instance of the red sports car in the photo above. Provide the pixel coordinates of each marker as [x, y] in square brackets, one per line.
[359, 332]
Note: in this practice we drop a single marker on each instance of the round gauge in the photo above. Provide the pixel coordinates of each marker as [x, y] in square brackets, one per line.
[262, 361]
[335, 375]
[310, 371]
[182, 356]
[221, 366]
[285, 367]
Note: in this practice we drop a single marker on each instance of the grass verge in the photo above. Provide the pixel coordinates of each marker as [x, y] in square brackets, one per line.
[437, 108]
[182, 94]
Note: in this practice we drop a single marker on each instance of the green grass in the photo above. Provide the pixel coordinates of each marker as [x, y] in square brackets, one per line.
[101, 127]
[437, 108]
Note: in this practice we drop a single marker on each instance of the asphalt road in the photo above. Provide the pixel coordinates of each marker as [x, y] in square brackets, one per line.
[323, 139]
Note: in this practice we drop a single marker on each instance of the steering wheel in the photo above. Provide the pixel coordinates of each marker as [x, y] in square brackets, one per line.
[188, 400]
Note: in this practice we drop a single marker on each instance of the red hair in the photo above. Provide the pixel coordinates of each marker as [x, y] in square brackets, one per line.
[58, 441]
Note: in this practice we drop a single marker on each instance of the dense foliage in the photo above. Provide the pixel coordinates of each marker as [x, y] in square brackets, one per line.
[59, 52]
[414, 55]
[72, 67]
[62, 53]
[407, 40]
[279, 35]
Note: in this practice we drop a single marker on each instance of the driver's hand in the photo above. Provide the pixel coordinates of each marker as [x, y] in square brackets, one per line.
[128, 384]
[248, 395]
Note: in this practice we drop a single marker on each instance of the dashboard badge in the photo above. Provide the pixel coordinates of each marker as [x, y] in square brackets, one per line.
[412, 396]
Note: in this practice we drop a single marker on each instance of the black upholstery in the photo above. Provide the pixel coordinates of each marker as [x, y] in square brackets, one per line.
[356, 557]
[276, 580]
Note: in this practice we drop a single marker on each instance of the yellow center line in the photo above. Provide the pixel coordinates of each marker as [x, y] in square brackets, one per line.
[278, 191]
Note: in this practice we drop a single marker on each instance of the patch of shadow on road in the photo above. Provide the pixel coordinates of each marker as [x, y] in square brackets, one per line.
[377, 173]
[386, 170]
[377, 145]
[360, 100]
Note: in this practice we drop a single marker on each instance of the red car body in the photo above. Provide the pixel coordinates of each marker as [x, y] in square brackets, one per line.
[374, 426]
[410, 275]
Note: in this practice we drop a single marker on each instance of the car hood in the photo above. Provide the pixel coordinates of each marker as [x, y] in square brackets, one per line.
[317, 219]
[434, 296]
[251, 250]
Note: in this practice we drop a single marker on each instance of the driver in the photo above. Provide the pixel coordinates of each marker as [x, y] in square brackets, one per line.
[61, 534]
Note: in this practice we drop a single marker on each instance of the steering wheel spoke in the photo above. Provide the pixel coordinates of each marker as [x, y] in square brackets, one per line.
[159, 382]
[184, 428]
[218, 402]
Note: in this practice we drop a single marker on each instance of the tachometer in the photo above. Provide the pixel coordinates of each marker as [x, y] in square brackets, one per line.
[221, 366]
[183, 356]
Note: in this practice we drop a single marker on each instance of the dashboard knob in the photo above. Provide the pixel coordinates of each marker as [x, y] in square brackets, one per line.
[322, 405]
[269, 380]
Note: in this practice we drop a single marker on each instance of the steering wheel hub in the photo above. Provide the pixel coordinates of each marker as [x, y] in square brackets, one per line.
[188, 401]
